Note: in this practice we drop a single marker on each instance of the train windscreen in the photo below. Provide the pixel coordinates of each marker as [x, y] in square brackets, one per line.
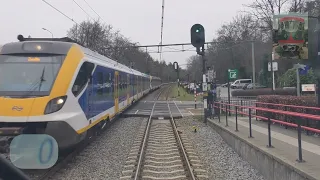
[28, 75]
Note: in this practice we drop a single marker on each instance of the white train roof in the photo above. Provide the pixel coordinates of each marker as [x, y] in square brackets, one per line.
[62, 45]
[112, 63]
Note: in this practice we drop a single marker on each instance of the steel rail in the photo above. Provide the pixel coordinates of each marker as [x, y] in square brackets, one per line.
[184, 154]
[145, 138]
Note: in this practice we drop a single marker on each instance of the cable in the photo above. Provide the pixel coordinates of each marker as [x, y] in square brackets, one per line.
[170, 51]
[93, 10]
[82, 9]
[60, 12]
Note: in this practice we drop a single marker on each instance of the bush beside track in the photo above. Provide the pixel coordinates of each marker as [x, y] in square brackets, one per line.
[184, 95]
[307, 101]
[264, 91]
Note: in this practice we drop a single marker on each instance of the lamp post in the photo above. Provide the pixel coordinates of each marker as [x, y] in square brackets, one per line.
[48, 31]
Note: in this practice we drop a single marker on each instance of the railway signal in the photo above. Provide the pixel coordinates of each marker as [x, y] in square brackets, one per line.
[197, 36]
[176, 68]
[198, 40]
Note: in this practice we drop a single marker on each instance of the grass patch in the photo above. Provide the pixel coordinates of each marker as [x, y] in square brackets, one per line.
[184, 96]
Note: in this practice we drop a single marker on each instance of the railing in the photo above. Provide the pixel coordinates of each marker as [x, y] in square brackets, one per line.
[239, 109]
[293, 108]
[243, 100]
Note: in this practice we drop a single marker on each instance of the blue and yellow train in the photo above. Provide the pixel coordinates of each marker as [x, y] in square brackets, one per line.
[60, 88]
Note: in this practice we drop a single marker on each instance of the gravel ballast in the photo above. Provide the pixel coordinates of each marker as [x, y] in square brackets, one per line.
[104, 158]
[222, 162]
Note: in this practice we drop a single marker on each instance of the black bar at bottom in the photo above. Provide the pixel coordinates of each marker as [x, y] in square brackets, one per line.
[8, 171]
[250, 124]
[269, 131]
[299, 142]
[219, 109]
[236, 118]
[227, 115]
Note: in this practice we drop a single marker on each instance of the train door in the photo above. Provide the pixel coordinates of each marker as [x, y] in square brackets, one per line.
[138, 87]
[116, 91]
[150, 83]
[132, 85]
[128, 86]
[83, 78]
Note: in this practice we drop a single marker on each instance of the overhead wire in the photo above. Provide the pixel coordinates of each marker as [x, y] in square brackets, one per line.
[60, 12]
[71, 19]
[82, 9]
[93, 10]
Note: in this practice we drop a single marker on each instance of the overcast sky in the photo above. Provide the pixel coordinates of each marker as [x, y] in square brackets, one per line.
[139, 20]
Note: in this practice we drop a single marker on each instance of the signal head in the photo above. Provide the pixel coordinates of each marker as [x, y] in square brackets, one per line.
[175, 66]
[197, 35]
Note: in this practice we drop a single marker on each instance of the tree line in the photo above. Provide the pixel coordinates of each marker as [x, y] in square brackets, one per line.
[232, 47]
[103, 39]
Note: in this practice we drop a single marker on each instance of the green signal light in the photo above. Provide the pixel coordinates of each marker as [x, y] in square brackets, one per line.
[197, 30]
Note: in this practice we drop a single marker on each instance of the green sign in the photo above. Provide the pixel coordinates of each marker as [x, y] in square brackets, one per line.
[233, 73]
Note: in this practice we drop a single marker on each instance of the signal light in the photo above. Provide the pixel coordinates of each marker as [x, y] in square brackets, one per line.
[197, 35]
[175, 66]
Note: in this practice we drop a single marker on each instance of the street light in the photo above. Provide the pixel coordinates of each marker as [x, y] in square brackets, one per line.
[48, 31]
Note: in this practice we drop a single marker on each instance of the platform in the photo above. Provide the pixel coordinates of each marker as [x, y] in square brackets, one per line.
[279, 162]
[178, 109]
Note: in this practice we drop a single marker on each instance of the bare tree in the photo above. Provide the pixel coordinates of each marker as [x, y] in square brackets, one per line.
[262, 11]
[232, 49]
[312, 7]
[100, 38]
[296, 5]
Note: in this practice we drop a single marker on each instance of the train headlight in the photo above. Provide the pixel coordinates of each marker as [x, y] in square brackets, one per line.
[55, 104]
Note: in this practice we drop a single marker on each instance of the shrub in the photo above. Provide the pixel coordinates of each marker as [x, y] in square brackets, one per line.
[289, 78]
[289, 100]
[264, 91]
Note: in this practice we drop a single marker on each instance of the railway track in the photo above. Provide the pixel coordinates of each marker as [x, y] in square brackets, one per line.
[160, 151]
[62, 161]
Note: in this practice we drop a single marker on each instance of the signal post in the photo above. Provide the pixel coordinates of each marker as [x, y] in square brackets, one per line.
[176, 68]
[198, 40]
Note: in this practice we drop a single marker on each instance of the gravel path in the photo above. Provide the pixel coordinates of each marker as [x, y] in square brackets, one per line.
[222, 162]
[104, 158]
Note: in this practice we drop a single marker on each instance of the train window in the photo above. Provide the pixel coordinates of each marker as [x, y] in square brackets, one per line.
[107, 78]
[126, 81]
[120, 82]
[100, 83]
[82, 78]
[107, 84]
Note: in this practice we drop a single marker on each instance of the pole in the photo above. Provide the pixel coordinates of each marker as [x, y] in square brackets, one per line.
[178, 82]
[298, 82]
[195, 94]
[318, 91]
[272, 73]
[273, 83]
[48, 31]
[228, 92]
[318, 60]
[204, 85]
[253, 65]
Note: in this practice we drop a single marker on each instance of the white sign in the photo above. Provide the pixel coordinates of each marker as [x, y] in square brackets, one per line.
[233, 75]
[308, 87]
[274, 66]
[204, 86]
[205, 105]
[210, 75]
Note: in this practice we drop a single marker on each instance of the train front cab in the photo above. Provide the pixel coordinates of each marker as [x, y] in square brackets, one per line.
[35, 91]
